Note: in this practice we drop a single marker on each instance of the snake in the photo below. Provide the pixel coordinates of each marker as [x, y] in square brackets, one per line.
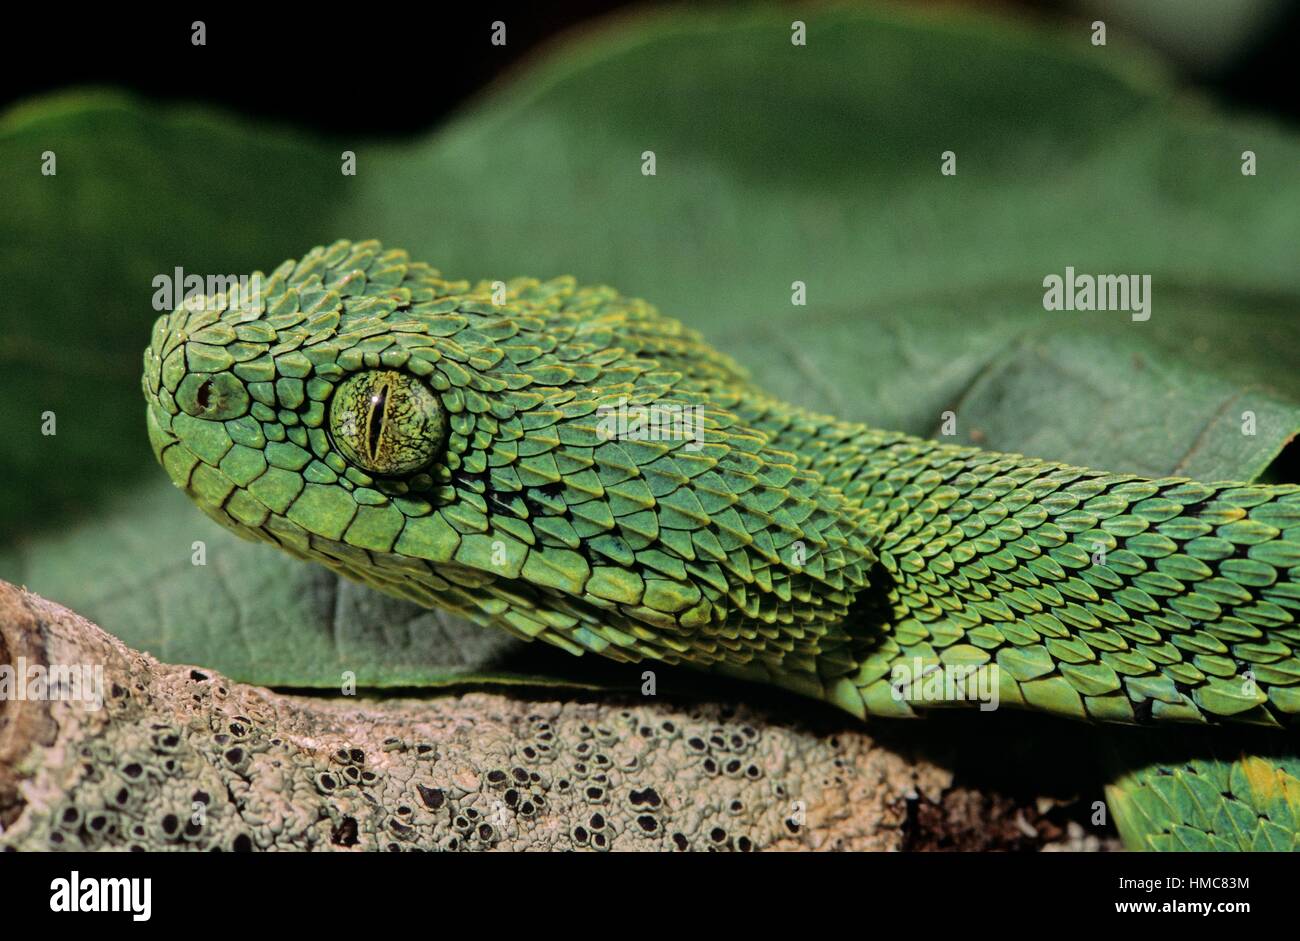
[572, 466]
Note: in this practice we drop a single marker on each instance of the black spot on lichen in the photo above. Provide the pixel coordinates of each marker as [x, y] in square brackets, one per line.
[648, 797]
[433, 797]
[345, 834]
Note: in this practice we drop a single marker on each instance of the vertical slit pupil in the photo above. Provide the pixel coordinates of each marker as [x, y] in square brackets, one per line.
[375, 426]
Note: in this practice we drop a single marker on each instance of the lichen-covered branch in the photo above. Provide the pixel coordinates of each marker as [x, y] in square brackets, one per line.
[180, 757]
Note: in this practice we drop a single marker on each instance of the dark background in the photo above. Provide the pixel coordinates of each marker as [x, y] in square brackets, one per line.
[323, 69]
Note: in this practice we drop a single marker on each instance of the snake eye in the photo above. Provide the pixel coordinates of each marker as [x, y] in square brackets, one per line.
[387, 422]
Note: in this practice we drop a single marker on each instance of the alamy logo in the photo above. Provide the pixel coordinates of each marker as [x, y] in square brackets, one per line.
[932, 682]
[1129, 292]
[75, 894]
[661, 421]
[173, 290]
[58, 682]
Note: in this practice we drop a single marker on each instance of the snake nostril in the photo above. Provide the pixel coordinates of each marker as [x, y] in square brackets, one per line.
[212, 397]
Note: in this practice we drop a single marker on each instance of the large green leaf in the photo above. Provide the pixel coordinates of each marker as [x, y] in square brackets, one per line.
[775, 163]
[138, 191]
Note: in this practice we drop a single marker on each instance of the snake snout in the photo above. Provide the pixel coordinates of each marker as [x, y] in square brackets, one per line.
[191, 389]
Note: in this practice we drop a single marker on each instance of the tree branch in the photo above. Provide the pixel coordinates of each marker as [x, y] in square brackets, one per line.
[179, 757]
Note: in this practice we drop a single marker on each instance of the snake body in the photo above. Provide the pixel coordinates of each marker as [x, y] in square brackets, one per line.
[468, 446]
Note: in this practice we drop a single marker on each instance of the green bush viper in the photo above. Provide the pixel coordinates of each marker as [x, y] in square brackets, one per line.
[460, 445]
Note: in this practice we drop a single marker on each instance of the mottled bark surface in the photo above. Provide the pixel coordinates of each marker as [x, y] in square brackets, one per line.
[180, 757]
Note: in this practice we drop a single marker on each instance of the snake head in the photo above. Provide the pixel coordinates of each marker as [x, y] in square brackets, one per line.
[493, 449]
